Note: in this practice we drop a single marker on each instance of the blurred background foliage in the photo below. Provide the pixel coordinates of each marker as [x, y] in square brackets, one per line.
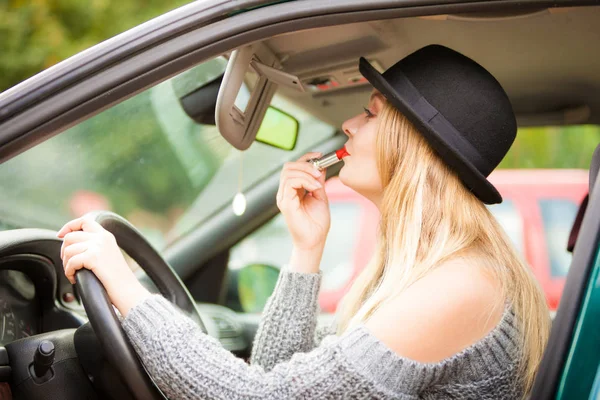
[553, 147]
[36, 34]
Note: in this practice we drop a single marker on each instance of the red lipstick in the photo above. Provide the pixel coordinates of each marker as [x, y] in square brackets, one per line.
[341, 153]
[329, 159]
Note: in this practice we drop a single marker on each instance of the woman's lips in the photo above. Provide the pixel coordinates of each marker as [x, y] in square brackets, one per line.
[341, 153]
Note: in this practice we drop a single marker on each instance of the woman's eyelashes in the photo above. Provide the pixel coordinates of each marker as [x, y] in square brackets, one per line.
[368, 113]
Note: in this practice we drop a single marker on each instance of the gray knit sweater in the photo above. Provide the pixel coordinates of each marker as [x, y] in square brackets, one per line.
[289, 361]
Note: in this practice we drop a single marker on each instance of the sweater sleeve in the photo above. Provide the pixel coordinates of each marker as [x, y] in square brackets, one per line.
[288, 323]
[187, 364]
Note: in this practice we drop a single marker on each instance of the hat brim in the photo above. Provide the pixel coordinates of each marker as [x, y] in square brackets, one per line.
[468, 174]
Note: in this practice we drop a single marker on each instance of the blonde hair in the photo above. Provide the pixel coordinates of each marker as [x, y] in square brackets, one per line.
[428, 217]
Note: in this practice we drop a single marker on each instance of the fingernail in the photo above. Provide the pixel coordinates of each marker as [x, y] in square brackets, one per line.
[317, 173]
[318, 185]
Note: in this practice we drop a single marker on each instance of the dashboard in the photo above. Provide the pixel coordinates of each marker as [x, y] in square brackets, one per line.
[31, 286]
[36, 298]
[19, 311]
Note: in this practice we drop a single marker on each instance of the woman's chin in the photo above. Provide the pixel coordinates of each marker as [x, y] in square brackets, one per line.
[361, 184]
[345, 177]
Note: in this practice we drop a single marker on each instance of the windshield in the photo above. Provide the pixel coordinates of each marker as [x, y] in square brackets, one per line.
[146, 160]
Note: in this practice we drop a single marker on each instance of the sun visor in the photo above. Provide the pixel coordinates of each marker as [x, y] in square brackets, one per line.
[249, 83]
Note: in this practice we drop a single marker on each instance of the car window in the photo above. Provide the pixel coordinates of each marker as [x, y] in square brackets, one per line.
[558, 216]
[146, 160]
[509, 218]
[271, 244]
[338, 262]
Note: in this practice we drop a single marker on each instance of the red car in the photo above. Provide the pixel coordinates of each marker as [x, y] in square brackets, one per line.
[537, 213]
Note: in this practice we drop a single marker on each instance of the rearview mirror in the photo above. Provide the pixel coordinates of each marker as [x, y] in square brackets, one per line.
[239, 114]
[278, 129]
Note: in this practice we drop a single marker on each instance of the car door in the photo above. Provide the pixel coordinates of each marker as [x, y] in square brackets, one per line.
[570, 367]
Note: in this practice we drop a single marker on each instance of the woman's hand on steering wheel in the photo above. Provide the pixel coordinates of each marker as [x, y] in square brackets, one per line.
[86, 244]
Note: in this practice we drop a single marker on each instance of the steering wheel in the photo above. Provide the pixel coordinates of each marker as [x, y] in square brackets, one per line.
[105, 323]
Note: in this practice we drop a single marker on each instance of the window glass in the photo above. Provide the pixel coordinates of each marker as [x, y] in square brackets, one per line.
[558, 216]
[510, 219]
[146, 160]
[272, 245]
[338, 258]
[538, 147]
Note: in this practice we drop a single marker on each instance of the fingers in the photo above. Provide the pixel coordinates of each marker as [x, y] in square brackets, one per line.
[298, 169]
[298, 176]
[74, 237]
[301, 166]
[71, 238]
[75, 263]
[301, 180]
[73, 250]
[320, 193]
[80, 224]
[302, 175]
[308, 156]
[293, 185]
[286, 196]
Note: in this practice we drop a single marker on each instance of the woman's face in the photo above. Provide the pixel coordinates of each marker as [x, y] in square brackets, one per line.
[360, 168]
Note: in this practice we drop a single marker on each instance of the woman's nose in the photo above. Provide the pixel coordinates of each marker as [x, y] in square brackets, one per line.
[349, 126]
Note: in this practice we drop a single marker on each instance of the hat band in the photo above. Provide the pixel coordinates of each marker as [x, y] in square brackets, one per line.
[431, 116]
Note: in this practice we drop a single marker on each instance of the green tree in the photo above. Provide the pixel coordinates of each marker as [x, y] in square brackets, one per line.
[553, 147]
[35, 35]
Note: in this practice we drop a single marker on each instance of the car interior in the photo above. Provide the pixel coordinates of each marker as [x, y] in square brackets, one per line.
[308, 82]
[579, 284]
[538, 78]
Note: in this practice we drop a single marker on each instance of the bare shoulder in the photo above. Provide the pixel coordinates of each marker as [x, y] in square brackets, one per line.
[443, 313]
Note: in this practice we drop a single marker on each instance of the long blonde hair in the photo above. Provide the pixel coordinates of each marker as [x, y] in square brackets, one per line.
[427, 217]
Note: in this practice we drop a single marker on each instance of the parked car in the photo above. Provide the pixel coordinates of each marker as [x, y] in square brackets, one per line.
[537, 213]
[130, 123]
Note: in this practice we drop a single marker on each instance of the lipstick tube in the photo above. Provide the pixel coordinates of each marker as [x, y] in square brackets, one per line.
[329, 159]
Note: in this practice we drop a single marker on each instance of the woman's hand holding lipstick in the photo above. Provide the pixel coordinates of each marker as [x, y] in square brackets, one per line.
[302, 200]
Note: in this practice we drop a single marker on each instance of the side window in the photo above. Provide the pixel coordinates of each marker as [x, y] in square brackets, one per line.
[558, 216]
[510, 219]
[156, 158]
[338, 262]
[143, 158]
[272, 245]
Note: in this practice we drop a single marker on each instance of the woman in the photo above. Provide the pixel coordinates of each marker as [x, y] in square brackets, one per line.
[446, 309]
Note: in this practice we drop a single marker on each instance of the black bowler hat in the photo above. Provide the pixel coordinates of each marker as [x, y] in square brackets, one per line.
[458, 106]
